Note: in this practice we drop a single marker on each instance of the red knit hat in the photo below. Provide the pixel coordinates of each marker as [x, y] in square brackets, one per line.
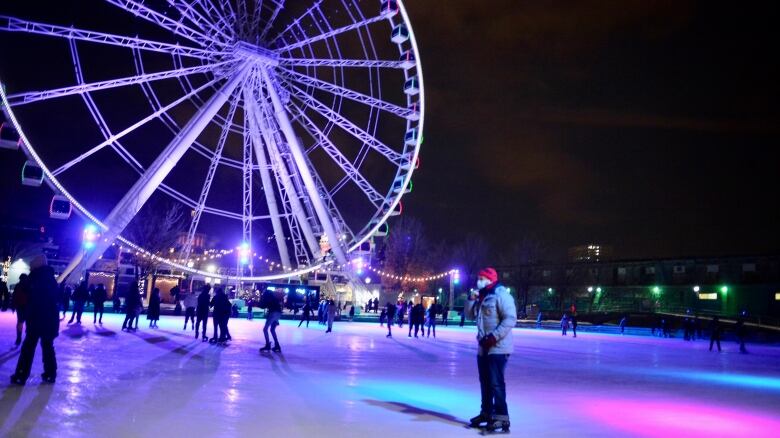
[490, 274]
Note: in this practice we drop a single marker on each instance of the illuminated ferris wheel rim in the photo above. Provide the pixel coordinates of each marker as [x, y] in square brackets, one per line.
[360, 238]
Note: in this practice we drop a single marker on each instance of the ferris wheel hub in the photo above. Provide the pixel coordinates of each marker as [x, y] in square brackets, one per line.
[255, 54]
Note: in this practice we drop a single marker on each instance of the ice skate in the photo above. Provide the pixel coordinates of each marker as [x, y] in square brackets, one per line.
[18, 380]
[213, 340]
[277, 348]
[48, 378]
[266, 348]
[479, 421]
[496, 426]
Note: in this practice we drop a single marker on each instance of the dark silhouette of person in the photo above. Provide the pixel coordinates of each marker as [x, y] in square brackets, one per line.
[99, 296]
[116, 302]
[539, 319]
[4, 294]
[564, 324]
[445, 316]
[416, 319]
[573, 320]
[715, 332]
[390, 309]
[273, 313]
[740, 330]
[202, 312]
[222, 308]
[376, 305]
[623, 323]
[43, 323]
[306, 315]
[153, 311]
[65, 292]
[132, 301]
[19, 302]
[80, 296]
[432, 312]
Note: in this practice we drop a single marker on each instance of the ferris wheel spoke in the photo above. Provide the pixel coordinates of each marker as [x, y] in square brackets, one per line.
[346, 92]
[294, 23]
[35, 96]
[270, 22]
[11, 24]
[286, 188]
[347, 125]
[133, 127]
[365, 63]
[331, 33]
[339, 158]
[140, 10]
[247, 185]
[215, 14]
[270, 198]
[206, 24]
[204, 192]
[300, 161]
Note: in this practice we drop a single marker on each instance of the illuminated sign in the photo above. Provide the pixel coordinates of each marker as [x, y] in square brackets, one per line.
[708, 296]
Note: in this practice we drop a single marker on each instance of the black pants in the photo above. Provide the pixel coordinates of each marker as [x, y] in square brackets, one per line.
[78, 309]
[224, 334]
[189, 314]
[491, 382]
[204, 320]
[128, 322]
[98, 309]
[27, 355]
[574, 330]
[432, 325]
[713, 339]
[270, 324]
[304, 317]
[416, 326]
[217, 324]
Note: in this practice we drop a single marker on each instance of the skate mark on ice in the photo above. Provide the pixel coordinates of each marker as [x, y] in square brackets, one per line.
[418, 413]
[9, 355]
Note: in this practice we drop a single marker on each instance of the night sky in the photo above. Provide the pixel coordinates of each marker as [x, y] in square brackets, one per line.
[649, 126]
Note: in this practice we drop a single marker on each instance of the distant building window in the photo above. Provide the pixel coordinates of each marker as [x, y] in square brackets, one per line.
[650, 270]
[777, 296]
[546, 273]
[708, 296]
[621, 272]
[749, 267]
[713, 269]
[679, 269]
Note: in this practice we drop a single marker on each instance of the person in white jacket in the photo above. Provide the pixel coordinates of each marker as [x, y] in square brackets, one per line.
[493, 309]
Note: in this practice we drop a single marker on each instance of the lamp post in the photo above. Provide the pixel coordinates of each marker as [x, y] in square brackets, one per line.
[89, 238]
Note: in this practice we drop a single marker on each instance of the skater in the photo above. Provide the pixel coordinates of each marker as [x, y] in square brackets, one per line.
[664, 328]
[190, 303]
[306, 313]
[99, 296]
[273, 313]
[715, 332]
[564, 324]
[401, 310]
[153, 311]
[250, 303]
[687, 326]
[320, 312]
[64, 299]
[3, 294]
[462, 317]
[382, 317]
[493, 308]
[390, 311]
[573, 320]
[740, 330]
[80, 296]
[19, 302]
[444, 316]
[539, 320]
[131, 303]
[351, 313]
[623, 323]
[221, 313]
[376, 304]
[116, 303]
[432, 318]
[331, 311]
[416, 319]
[42, 319]
[202, 312]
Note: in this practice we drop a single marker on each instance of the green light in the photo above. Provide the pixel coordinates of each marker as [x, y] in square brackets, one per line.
[550, 290]
[656, 290]
[598, 290]
[724, 289]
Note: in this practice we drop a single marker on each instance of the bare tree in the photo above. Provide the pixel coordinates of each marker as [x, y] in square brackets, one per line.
[472, 254]
[156, 229]
[405, 252]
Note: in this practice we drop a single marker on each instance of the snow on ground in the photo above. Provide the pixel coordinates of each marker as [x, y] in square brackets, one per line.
[355, 382]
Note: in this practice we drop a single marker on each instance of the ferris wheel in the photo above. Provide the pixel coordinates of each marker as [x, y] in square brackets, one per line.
[308, 116]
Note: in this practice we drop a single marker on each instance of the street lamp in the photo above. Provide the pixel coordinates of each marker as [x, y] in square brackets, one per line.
[590, 288]
[656, 290]
[696, 289]
[724, 290]
[90, 235]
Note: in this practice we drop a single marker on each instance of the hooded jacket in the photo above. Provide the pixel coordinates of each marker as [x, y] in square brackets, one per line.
[495, 314]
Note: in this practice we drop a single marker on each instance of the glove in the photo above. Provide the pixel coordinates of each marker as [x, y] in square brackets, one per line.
[488, 342]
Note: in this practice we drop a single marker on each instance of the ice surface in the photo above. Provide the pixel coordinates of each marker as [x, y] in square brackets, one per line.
[355, 382]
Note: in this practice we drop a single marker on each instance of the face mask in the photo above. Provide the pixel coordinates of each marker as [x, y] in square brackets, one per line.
[483, 283]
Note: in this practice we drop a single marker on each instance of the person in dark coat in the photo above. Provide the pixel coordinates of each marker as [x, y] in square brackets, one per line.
[432, 312]
[4, 293]
[401, 314]
[740, 330]
[43, 323]
[80, 296]
[153, 311]
[273, 313]
[539, 317]
[715, 332]
[99, 296]
[202, 312]
[330, 312]
[222, 307]
[445, 316]
[623, 323]
[351, 313]
[131, 303]
[564, 324]
[306, 313]
[416, 319]
[573, 321]
[65, 291]
[390, 312]
[117, 303]
[19, 302]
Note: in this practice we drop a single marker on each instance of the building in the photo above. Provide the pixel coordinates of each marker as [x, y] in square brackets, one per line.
[590, 253]
[708, 285]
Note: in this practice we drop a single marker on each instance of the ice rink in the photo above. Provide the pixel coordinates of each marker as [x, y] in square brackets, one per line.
[355, 382]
